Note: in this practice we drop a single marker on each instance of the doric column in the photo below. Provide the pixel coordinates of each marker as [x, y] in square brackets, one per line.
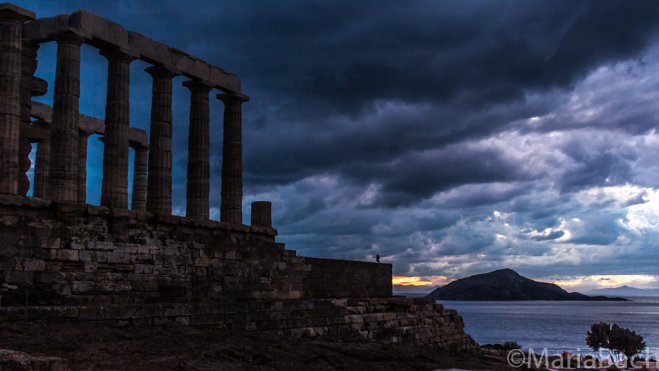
[41, 169]
[198, 152]
[63, 169]
[28, 67]
[232, 160]
[262, 214]
[139, 178]
[117, 110]
[83, 139]
[159, 194]
[11, 44]
[24, 164]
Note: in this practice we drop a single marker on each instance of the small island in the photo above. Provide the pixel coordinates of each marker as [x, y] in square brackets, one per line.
[507, 285]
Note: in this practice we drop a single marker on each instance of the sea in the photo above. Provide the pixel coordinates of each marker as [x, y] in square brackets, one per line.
[557, 326]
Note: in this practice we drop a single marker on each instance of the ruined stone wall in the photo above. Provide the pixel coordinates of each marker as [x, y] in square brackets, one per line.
[386, 320]
[329, 278]
[87, 263]
[71, 254]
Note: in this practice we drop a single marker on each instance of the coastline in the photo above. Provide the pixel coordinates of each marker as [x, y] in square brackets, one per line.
[558, 326]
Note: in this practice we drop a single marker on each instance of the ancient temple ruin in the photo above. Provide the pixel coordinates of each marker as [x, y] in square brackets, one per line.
[63, 259]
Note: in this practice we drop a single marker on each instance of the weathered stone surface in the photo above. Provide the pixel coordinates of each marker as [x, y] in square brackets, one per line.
[159, 194]
[140, 178]
[117, 111]
[83, 141]
[224, 79]
[133, 255]
[261, 214]
[20, 361]
[28, 67]
[231, 207]
[11, 43]
[24, 164]
[355, 278]
[8, 10]
[150, 50]
[45, 29]
[102, 32]
[385, 320]
[89, 125]
[192, 67]
[198, 190]
[64, 157]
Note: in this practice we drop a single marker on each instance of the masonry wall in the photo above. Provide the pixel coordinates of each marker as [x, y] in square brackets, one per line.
[386, 320]
[86, 263]
[328, 278]
[70, 254]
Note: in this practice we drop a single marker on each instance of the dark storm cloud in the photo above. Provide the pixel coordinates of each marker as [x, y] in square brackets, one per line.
[349, 53]
[462, 58]
[476, 195]
[596, 163]
[420, 175]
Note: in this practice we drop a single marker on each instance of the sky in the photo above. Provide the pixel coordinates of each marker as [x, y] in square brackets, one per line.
[450, 138]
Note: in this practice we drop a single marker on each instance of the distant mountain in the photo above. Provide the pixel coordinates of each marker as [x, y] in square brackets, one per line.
[506, 284]
[624, 291]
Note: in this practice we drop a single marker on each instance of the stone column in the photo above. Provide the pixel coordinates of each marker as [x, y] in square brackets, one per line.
[139, 178]
[41, 169]
[232, 160]
[63, 168]
[24, 164]
[114, 193]
[198, 152]
[159, 193]
[11, 44]
[262, 214]
[28, 67]
[83, 139]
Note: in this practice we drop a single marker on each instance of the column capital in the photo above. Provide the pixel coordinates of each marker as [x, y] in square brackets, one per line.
[231, 98]
[198, 86]
[42, 124]
[161, 71]
[137, 146]
[116, 54]
[10, 11]
[70, 37]
[83, 133]
[38, 86]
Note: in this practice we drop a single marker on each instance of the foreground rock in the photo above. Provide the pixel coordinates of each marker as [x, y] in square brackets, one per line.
[21, 361]
[101, 347]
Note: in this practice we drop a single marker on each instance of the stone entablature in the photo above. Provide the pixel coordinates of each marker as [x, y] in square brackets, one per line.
[103, 34]
[43, 115]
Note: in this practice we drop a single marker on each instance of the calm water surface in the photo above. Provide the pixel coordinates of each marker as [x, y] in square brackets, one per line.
[557, 326]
